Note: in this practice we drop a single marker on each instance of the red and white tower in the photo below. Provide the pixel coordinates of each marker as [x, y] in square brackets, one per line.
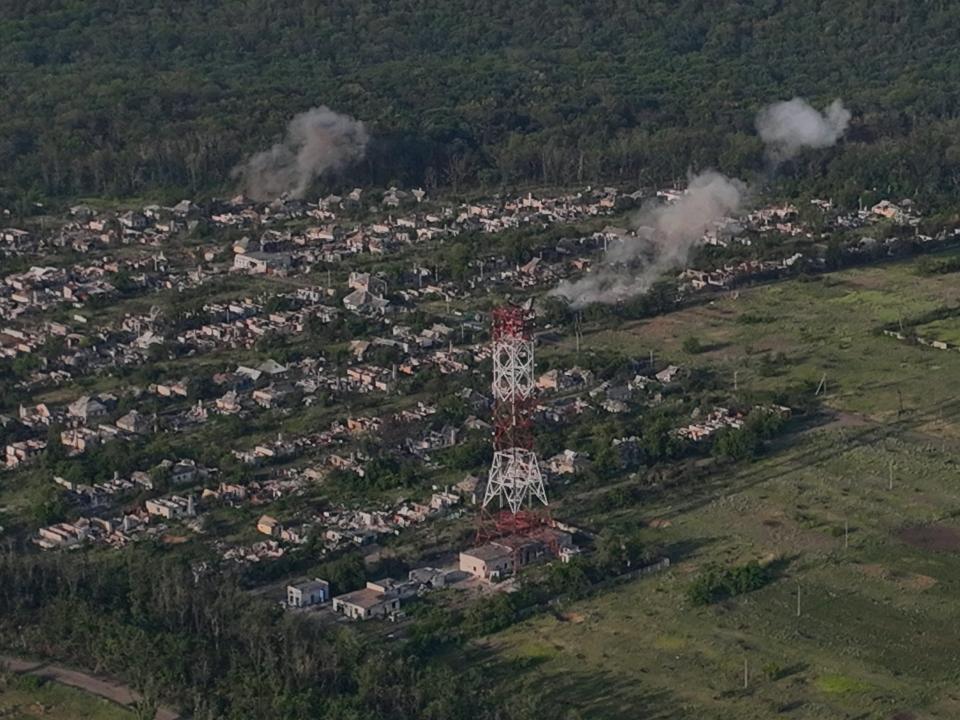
[515, 480]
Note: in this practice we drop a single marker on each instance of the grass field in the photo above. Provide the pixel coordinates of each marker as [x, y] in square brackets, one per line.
[799, 331]
[946, 330]
[863, 511]
[55, 702]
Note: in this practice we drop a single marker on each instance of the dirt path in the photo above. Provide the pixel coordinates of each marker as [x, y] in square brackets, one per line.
[120, 694]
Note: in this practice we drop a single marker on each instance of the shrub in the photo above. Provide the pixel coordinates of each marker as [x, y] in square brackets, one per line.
[714, 584]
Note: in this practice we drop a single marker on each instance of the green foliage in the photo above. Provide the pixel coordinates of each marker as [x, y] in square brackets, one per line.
[23, 365]
[468, 455]
[658, 440]
[774, 671]
[929, 265]
[176, 96]
[47, 505]
[753, 318]
[736, 444]
[693, 345]
[344, 574]
[222, 652]
[383, 472]
[617, 549]
[746, 442]
[716, 584]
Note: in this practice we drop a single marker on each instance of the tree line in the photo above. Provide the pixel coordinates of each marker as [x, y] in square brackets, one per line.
[121, 98]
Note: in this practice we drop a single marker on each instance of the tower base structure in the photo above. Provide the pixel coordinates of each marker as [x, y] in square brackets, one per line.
[515, 477]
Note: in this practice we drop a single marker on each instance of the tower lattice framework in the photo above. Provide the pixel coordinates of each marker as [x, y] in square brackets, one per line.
[515, 479]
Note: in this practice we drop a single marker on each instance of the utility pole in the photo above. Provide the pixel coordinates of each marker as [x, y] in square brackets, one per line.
[890, 477]
[736, 384]
[798, 598]
[746, 674]
[846, 534]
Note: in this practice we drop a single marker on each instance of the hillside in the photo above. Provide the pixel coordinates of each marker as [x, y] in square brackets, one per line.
[128, 97]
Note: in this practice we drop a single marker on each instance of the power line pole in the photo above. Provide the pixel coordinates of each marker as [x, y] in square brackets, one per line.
[798, 598]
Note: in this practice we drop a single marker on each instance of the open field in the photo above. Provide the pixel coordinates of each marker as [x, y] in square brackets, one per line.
[863, 513]
[56, 702]
[800, 330]
[946, 330]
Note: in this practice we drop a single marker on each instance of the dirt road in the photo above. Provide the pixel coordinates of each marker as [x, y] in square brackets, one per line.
[120, 694]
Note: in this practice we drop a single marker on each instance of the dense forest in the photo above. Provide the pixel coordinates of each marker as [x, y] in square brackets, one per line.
[124, 97]
[201, 642]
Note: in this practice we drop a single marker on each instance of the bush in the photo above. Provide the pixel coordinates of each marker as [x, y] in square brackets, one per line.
[714, 585]
[773, 671]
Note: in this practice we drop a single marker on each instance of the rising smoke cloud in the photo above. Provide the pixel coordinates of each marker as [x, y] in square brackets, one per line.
[315, 142]
[672, 232]
[788, 127]
[666, 236]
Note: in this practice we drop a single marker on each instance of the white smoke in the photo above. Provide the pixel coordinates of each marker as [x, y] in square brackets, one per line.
[316, 141]
[668, 235]
[788, 127]
[673, 231]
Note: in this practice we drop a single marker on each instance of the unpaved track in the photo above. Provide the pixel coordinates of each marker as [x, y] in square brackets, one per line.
[120, 694]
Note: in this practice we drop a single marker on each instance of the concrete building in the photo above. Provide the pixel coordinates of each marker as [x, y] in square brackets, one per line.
[258, 263]
[135, 423]
[370, 602]
[428, 578]
[63, 534]
[20, 452]
[269, 526]
[87, 409]
[507, 555]
[184, 472]
[312, 592]
[487, 562]
[171, 508]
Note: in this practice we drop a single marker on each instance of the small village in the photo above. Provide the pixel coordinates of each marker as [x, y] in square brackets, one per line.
[444, 361]
[269, 330]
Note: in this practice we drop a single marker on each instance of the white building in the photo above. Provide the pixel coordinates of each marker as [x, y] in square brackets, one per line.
[312, 592]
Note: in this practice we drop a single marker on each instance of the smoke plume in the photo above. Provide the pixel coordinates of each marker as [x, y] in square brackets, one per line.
[788, 127]
[666, 236]
[315, 142]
